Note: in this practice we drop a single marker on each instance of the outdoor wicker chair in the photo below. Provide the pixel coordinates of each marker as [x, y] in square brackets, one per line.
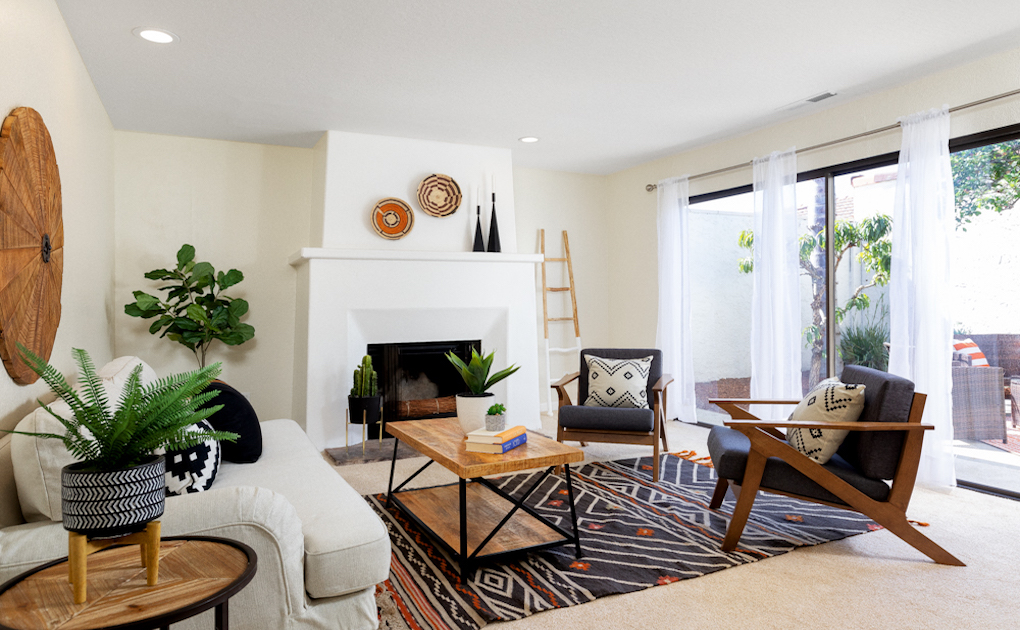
[979, 404]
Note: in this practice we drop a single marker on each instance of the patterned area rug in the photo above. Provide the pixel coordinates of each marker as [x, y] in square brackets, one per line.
[634, 534]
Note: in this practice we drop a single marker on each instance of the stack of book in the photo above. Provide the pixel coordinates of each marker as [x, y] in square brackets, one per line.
[498, 442]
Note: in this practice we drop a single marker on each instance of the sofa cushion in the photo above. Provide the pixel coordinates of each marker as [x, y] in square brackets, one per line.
[729, 449]
[347, 547]
[236, 416]
[606, 418]
[38, 461]
[192, 469]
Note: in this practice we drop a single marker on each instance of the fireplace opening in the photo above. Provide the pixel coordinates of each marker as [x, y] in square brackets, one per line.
[417, 381]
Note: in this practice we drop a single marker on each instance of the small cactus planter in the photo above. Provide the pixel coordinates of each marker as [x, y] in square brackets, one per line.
[364, 401]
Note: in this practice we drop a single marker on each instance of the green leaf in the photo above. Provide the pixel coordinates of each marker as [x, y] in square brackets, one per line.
[238, 307]
[133, 310]
[185, 255]
[198, 314]
[145, 301]
[158, 274]
[202, 273]
[229, 279]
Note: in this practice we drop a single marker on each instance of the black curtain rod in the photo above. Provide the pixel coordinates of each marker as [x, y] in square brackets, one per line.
[651, 187]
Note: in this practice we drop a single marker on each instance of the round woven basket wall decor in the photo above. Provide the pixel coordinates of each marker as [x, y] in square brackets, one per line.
[392, 218]
[31, 241]
[439, 195]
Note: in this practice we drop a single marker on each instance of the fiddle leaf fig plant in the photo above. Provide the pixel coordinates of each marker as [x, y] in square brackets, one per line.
[195, 311]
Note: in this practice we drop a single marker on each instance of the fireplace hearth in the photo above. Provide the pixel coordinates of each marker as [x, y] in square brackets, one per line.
[416, 380]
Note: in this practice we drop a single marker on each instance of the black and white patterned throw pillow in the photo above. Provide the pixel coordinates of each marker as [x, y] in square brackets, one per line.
[193, 469]
[829, 401]
[618, 382]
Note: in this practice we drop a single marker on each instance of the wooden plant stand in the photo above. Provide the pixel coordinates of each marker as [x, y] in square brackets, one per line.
[79, 548]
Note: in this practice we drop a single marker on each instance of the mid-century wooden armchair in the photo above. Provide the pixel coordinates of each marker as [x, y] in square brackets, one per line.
[750, 454]
[615, 424]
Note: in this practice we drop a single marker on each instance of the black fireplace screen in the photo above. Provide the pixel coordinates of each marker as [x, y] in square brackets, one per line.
[416, 380]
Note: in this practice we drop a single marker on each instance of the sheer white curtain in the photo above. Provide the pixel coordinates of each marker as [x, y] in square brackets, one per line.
[673, 335]
[921, 330]
[775, 301]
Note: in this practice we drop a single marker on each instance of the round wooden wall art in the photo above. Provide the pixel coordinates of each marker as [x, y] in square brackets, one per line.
[439, 195]
[392, 218]
[31, 241]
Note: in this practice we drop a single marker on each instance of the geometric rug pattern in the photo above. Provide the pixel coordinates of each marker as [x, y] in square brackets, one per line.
[635, 534]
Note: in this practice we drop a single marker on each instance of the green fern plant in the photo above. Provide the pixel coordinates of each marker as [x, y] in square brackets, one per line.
[476, 372]
[148, 417]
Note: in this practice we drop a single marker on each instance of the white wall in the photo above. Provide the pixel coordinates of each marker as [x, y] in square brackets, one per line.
[557, 201]
[41, 69]
[243, 206]
[361, 169]
[631, 215]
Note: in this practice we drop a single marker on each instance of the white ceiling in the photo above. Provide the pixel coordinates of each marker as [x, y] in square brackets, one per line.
[605, 84]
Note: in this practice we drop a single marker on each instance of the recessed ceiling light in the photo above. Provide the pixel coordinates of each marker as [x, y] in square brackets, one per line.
[155, 35]
[528, 139]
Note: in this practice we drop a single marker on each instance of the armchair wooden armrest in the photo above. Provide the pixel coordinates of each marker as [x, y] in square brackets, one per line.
[750, 401]
[846, 426]
[561, 387]
[566, 380]
[662, 383]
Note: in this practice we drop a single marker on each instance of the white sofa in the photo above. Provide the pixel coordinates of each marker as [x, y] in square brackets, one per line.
[321, 549]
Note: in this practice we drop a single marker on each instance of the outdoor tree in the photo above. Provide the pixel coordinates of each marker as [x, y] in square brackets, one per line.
[871, 237]
[986, 178]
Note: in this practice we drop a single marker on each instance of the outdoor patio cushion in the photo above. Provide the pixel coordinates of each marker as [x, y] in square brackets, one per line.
[607, 418]
[887, 398]
[729, 449]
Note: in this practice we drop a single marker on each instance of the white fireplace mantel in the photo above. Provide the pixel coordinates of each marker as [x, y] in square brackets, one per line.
[306, 254]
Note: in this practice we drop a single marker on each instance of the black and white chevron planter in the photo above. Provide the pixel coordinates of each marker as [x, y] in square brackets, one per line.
[112, 503]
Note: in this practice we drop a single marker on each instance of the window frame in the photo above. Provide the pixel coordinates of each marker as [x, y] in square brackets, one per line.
[961, 143]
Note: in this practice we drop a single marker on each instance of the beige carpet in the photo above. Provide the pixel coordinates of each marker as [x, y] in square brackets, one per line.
[869, 581]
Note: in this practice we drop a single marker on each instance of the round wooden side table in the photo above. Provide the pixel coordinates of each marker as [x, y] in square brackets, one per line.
[196, 573]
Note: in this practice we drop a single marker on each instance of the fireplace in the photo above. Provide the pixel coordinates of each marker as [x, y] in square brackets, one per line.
[416, 380]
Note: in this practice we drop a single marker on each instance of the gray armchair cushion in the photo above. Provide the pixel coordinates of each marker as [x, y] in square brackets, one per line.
[620, 353]
[887, 398]
[607, 418]
[729, 449]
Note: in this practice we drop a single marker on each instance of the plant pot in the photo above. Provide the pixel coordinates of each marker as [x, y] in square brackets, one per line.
[495, 423]
[471, 409]
[365, 410]
[115, 502]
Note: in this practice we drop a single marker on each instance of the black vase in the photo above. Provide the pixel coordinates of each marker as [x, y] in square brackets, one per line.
[479, 241]
[112, 503]
[493, 228]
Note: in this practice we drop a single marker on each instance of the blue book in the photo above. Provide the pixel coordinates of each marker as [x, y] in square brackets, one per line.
[497, 449]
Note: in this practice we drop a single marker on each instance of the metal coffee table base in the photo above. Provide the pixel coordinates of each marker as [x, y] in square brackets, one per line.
[523, 527]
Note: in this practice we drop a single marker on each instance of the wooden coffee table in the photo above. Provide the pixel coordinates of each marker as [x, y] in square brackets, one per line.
[195, 574]
[487, 526]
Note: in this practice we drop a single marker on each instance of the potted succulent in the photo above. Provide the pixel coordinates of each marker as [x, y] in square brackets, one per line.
[364, 401]
[119, 484]
[195, 311]
[471, 407]
[495, 418]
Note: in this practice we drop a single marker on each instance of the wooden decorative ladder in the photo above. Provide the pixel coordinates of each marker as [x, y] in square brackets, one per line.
[546, 290]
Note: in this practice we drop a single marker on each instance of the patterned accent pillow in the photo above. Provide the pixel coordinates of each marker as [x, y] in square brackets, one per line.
[829, 401]
[618, 382]
[967, 351]
[193, 469]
